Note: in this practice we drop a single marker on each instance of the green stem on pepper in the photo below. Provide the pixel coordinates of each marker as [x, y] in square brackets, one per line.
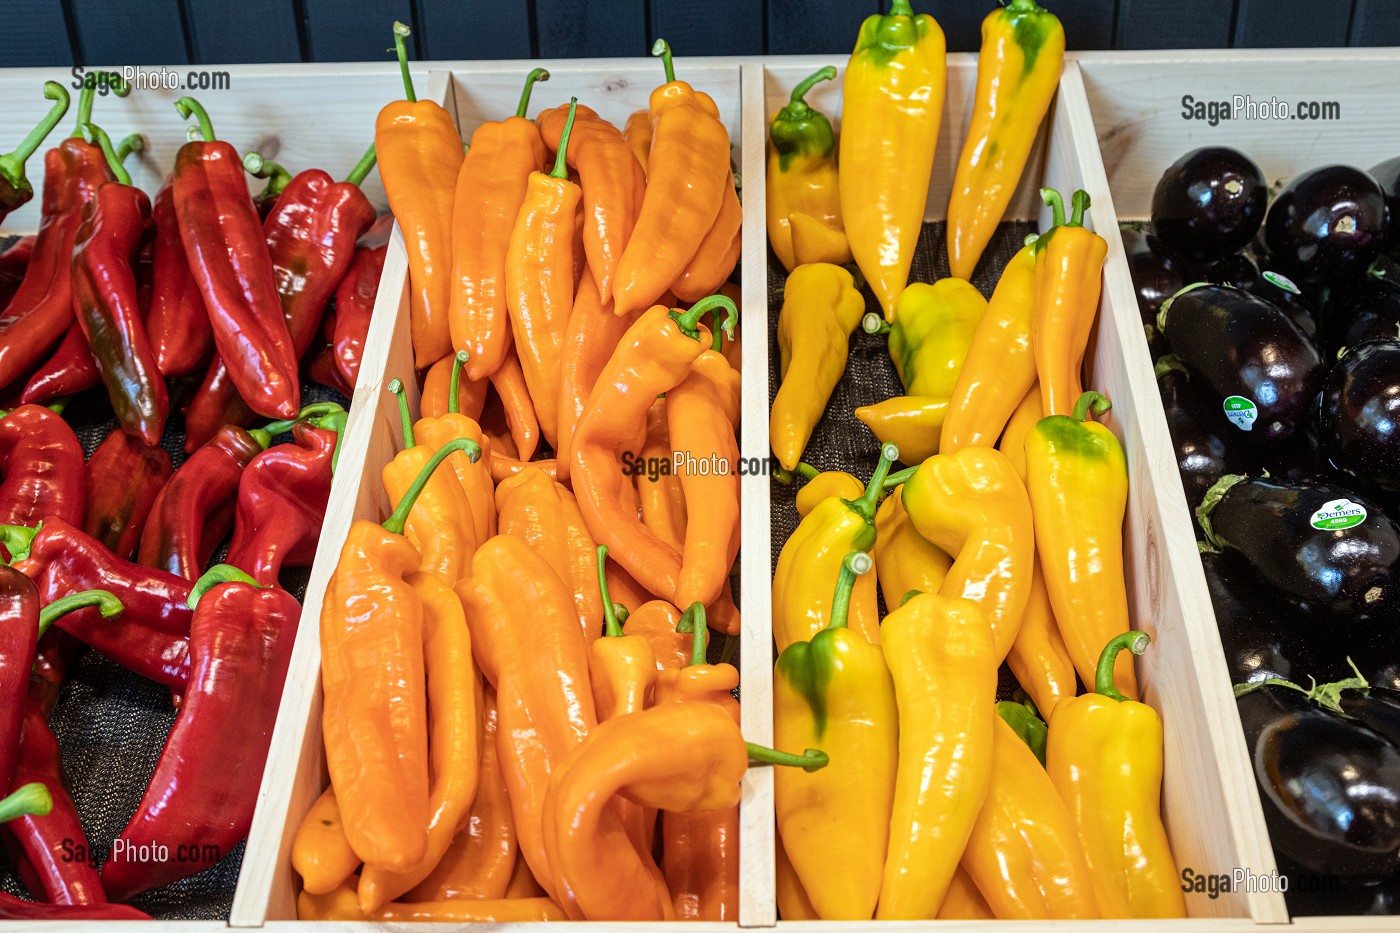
[12, 163]
[402, 32]
[395, 522]
[405, 419]
[95, 135]
[537, 74]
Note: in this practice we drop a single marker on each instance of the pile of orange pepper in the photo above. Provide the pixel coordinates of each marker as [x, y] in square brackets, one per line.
[521, 721]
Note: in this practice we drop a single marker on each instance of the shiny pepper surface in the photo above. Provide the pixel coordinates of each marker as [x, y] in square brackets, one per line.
[42, 465]
[1068, 279]
[932, 331]
[904, 559]
[801, 170]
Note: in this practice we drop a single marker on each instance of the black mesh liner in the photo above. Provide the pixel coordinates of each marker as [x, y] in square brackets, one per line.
[112, 724]
[840, 442]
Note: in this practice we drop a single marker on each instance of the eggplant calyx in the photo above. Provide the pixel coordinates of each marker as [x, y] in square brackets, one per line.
[1208, 503]
[1162, 313]
[1327, 696]
[1169, 363]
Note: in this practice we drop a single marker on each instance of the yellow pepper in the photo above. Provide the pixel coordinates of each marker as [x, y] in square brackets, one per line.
[835, 692]
[974, 506]
[893, 104]
[1078, 480]
[944, 666]
[820, 486]
[813, 556]
[999, 367]
[904, 559]
[932, 332]
[1104, 755]
[1013, 439]
[1018, 70]
[815, 241]
[963, 901]
[820, 309]
[1068, 279]
[1024, 853]
[1039, 658]
[912, 423]
[802, 174]
[793, 903]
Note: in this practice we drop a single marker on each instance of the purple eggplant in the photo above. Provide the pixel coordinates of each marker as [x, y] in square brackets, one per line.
[1157, 275]
[1387, 175]
[1262, 369]
[1366, 309]
[1359, 420]
[1209, 203]
[1326, 226]
[1206, 447]
[1257, 647]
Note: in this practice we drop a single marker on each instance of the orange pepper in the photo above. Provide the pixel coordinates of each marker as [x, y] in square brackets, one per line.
[419, 151]
[489, 190]
[701, 416]
[613, 184]
[522, 882]
[540, 282]
[475, 478]
[544, 515]
[527, 640]
[589, 340]
[687, 168]
[718, 252]
[621, 665]
[637, 132]
[656, 621]
[509, 382]
[654, 356]
[341, 904]
[440, 526]
[437, 389]
[374, 717]
[503, 467]
[723, 614]
[321, 854]
[482, 859]
[660, 494]
[627, 592]
[454, 740]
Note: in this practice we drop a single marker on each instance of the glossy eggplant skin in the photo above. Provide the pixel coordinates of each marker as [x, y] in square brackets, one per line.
[1277, 289]
[1257, 646]
[1237, 270]
[1378, 709]
[1387, 175]
[1207, 447]
[1327, 225]
[1367, 309]
[1330, 787]
[1156, 277]
[1344, 581]
[1359, 420]
[1238, 344]
[1209, 203]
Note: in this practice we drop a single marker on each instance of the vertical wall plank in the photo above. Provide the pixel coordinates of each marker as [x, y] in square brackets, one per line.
[471, 29]
[135, 32]
[1173, 24]
[586, 28]
[1375, 22]
[230, 33]
[715, 27]
[42, 41]
[1088, 23]
[1292, 24]
[816, 27]
[356, 32]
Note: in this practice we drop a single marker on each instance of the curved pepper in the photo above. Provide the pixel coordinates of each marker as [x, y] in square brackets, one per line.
[943, 662]
[821, 307]
[1068, 279]
[654, 356]
[518, 408]
[201, 799]
[355, 297]
[974, 506]
[19, 637]
[613, 184]
[436, 398]
[375, 717]
[801, 171]
[835, 691]
[1078, 480]
[660, 496]
[420, 153]
[999, 365]
[904, 559]
[1104, 755]
[1018, 72]
[124, 480]
[963, 901]
[489, 191]
[637, 132]
[656, 621]
[539, 281]
[42, 465]
[687, 170]
[474, 476]
[321, 854]
[177, 323]
[1023, 420]
[216, 403]
[70, 370]
[815, 553]
[819, 486]
[1024, 853]
[14, 262]
[15, 189]
[933, 329]
[793, 903]
[718, 252]
[229, 259]
[1038, 657]
[910, 422]
[454, 737]
[893, 102]
[104, 300]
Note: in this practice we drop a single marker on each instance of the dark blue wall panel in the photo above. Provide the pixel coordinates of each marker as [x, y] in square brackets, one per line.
[1375, 22]
[474, 29]
[961, 22]
[1088, 23]
[1173, 24]
[42, 41]
[356, 32]
[224, 32]
[714, 27]
[134, 32]
[816, 27]
[584, 28]
[1290, 23]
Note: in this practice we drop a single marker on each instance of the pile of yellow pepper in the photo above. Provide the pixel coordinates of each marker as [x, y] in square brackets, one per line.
[1004, 542]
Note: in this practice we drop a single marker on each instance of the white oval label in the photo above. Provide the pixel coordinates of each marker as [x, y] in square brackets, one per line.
[1241, 412]
[1338, 514]
[1282, 281]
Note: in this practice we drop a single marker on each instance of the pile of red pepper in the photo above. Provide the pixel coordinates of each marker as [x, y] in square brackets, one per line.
[114, 553]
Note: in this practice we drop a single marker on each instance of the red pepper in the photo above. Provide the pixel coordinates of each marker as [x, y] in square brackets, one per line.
[13, 263]
[216, 403]
[13, 908]
[19, 636]
[194, 510]
[104, 297]
[322, 368]
[229, 258]
[205, 787]
[15, 189]
[355, 296]
[152, 638]
[42, 463]
[282, 501]
[70, 370]
[177, 324]
[124, 477]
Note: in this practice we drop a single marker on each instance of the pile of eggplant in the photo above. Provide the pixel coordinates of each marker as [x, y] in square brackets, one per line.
[1275, 324]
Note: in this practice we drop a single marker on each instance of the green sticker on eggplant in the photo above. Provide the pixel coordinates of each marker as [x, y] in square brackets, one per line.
[1241, 412]
[1338, 514]
[1281, 281]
